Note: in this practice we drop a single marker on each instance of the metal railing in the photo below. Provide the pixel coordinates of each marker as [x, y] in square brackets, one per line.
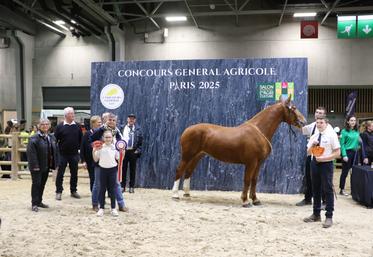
[15, 161]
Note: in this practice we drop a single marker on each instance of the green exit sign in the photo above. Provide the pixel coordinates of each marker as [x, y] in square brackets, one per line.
[346, 27]
[365, 26]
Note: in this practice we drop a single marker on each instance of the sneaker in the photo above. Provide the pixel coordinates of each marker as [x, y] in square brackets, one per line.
[343, 192]
[124, 209]
[123, 189]
[131, 190]
[114, 212]
[75, 195]
[42, 205]
[312, 218]
[58, 196]
[327, 223]
[303, 203]
[35, 208]
[100, 213]
[95, 207]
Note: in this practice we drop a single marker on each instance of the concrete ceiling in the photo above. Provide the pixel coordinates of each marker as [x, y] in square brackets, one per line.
[91, 16]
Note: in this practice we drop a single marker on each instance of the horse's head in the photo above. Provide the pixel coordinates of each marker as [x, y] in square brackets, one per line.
[292, 115]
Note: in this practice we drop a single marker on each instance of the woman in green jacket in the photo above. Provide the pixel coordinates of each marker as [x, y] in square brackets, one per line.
[349, 145]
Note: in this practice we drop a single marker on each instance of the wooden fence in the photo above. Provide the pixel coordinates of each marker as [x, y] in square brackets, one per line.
[16, 149]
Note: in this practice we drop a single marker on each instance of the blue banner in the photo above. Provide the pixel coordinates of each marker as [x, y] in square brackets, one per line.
[169, 96]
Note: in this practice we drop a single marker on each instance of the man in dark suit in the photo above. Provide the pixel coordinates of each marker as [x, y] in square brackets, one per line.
[132, 133]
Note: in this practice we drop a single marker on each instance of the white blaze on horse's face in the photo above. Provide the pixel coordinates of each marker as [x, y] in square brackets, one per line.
[294, 117]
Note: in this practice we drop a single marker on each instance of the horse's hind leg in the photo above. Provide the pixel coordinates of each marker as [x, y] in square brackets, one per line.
[188, 173]
[179, 173]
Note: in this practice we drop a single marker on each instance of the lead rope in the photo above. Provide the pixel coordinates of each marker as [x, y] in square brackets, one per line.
[291, 131]
[260, 132]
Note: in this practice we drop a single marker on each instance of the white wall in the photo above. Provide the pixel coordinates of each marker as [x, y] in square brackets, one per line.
[67, 62]
[64, 62]
[7, 79]
[57, 62]
[331, 61]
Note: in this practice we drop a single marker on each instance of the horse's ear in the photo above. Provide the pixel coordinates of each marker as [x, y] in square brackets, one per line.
[287, 102]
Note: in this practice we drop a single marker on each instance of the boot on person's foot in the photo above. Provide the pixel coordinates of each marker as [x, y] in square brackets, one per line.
[304, 202]
[327, 223]
[312, 218]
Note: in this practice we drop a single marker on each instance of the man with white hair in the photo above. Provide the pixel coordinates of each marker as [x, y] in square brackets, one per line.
[69, 136]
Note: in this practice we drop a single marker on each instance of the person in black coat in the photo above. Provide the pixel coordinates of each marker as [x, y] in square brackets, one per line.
[42, 156]
[132, 133]
[367, 143]
[86, 149]
[69, 136]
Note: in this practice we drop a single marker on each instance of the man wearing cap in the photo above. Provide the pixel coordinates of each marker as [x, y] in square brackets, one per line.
[133, 151]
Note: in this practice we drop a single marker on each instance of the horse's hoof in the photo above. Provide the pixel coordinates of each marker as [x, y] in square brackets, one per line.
[175, 197]
[186, 195]
[257, 203]
[246, 205]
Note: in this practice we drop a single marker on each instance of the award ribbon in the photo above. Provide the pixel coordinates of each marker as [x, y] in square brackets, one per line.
[120, 145]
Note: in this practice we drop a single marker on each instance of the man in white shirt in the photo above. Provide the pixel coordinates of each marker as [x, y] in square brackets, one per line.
[322, 170]
[308, 131]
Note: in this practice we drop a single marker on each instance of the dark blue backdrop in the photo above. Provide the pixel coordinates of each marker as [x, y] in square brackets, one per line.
[162, 95]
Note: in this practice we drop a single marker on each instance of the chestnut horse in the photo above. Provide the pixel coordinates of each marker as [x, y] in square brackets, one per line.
[248, 144]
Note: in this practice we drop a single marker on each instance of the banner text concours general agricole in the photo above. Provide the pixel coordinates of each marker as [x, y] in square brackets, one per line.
[196, 72]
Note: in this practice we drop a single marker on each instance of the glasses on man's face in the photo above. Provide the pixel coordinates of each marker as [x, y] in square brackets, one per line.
[44, 124]
[108, 137]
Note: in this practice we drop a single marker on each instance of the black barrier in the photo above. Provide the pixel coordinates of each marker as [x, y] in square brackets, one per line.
[362, 184]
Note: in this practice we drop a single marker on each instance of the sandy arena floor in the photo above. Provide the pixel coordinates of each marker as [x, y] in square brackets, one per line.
[209, 224]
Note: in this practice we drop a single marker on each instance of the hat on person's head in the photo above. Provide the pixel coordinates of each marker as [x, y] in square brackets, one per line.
[131, 115]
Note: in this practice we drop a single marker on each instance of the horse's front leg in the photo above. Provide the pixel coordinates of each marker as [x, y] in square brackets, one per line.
[247, 181]
[254, 180]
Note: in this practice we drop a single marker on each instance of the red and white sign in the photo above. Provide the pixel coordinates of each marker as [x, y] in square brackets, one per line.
[309, 29]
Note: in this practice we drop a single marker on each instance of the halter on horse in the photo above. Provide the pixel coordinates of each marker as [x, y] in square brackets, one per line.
[248, 144]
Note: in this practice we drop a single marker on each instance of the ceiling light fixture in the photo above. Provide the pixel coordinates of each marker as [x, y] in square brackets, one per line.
[49, 26]
[305, 14]
[176, 18]
[61, 24]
